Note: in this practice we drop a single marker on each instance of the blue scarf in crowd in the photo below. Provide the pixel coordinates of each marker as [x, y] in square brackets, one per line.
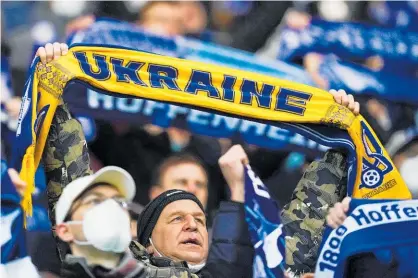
[267, 236]
[350, 41]
[387, 228]
[355, 78]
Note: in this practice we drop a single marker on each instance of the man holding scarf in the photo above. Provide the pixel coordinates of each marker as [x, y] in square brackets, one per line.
[66, 159]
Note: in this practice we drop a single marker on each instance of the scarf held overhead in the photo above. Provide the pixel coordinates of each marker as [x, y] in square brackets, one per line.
[87, 102]
[237, 93]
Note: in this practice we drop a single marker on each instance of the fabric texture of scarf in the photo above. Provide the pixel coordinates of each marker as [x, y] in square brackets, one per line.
[130, 73]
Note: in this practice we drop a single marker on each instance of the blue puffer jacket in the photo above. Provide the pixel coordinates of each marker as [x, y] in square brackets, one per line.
[231, 253]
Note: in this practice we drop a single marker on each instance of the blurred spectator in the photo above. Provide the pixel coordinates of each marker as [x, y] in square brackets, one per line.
[163, 18]
[403, 148]
[250, 31]
[167, 18]
[183, 172]
[194, 17]
[140, 153]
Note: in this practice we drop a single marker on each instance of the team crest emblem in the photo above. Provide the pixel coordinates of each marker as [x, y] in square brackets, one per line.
[378, 166]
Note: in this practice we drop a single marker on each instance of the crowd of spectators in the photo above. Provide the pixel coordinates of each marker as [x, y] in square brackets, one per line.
[164, 159]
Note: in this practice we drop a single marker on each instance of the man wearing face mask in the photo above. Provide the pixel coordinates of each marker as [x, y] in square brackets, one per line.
[92, 217]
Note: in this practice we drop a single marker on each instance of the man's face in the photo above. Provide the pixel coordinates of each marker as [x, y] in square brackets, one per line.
[188, 177]
[163, 19]
[180, 232]
[87, 201]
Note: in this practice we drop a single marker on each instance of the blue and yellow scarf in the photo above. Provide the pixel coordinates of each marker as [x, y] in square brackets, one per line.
[129, 73]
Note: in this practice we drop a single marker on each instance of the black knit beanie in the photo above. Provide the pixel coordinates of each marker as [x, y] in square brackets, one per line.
[149, 216]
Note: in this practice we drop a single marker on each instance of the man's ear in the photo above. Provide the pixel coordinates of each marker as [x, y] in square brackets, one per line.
[154, 191]
[63, 231]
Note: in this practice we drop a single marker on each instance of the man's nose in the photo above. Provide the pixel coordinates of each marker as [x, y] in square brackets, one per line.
[190, 223]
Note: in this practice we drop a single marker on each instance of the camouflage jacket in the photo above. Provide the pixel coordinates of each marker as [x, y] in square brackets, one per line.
[66, 158]
[323, 184]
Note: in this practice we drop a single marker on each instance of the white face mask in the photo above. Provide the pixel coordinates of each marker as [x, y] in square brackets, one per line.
[194, 268]
[409, 172]
[106, 227]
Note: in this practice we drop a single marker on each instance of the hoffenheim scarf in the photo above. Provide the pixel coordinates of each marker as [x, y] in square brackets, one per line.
[134, 74]
[267, 236]
[350, 41]
[386, 227]
[89, 103]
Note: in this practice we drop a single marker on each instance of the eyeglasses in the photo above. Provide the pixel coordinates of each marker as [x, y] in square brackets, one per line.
[94, 200]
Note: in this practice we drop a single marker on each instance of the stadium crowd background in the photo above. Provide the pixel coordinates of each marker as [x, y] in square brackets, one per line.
[247, 25]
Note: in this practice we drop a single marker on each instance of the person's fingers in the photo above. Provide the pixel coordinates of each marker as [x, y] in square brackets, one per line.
[346, 203]
[57, 50]
[344, 100]
[337, 96]
[341, 91]
[328, 219]
[356, 108]
[42, 54]
[331, 221]
[351, 103]
[339, 211]
[17, 181]
[13, 174]
[64, 48]
[333, 92]
[49, 52]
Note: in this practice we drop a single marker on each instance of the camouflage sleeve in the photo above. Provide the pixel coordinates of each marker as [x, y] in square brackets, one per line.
[65, 155]
[323, 184]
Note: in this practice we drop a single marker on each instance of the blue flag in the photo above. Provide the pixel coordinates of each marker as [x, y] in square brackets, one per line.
[386, 227]
[267, 236]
